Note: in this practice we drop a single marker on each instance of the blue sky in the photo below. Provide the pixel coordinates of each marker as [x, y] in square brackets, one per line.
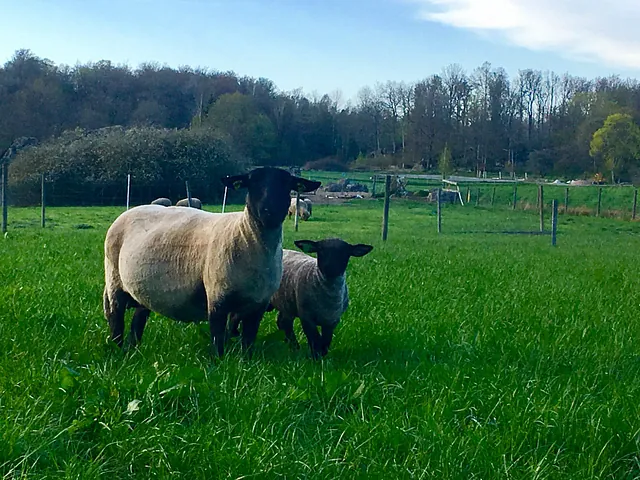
[324, 45]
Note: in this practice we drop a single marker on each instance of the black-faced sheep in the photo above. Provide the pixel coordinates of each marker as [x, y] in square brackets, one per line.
[195, 203]
[192, 265]
[314, 290]
[165, 202]
[304, 208]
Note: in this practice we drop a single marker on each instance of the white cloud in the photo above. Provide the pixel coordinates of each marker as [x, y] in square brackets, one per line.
[589, 30]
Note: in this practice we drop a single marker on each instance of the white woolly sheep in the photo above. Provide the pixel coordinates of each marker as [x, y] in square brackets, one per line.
[195, 203]
[314, 290]
[165, 202]
[192, 265]
[304, 208]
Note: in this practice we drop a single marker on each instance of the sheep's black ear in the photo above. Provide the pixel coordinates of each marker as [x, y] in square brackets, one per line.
[236, 182]
[307, 246]
[360, 250]
[303, 185]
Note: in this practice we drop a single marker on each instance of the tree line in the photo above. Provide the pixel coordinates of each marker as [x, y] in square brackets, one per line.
[539, 122]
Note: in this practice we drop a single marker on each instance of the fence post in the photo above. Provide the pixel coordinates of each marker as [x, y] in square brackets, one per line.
[385, 212]
[599, 201]
[635, 204]
[5, 181]
[515, 195]
[297, 207]
[439, 210]
[186, 185]
[128, 189]
[566, 199]
[224, 199]
[541, 196]
[42, 201]
[468, 194]
[477, 197]
[554, 222]
[493, 196]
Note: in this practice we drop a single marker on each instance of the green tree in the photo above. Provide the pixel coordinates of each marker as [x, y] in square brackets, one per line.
[617, 142]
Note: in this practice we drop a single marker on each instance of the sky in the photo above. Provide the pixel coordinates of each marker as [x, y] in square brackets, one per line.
[327, 45]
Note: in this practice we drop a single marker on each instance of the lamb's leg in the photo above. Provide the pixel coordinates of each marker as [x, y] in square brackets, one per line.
[114, 306]
[234, 322]
[313, 337]
[285, 323]
[138, 323]
[327, 337]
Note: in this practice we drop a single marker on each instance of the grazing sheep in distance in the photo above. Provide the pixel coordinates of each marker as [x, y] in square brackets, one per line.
[192, 265]
[165, 202]
[195, 203]
[304, 208]
[315, 290]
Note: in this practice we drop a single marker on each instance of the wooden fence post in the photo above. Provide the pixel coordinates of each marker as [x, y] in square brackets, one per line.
[468, 194]
[385, 212]
[554, 222]
[635, 203]
[128, 190]
[186, 185]
[515, 195]
[439, 209]
[42, 201]
[541, 196]
[566, 199]
[295, 218]
[599, 202]
[5, 181]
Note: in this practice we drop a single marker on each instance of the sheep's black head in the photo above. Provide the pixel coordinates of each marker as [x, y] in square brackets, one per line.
[269, 193]
[333, 254]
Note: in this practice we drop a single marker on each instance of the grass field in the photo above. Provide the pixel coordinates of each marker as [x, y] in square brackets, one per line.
[464, 355]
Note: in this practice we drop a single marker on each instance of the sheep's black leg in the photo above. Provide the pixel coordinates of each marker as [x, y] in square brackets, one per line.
[327, 337]
[138, 323]
[115, 306]
[250, 327]
[217, 326]
[313, 337]
[286, 324]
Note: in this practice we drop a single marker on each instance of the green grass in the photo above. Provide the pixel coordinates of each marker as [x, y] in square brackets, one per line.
[461, 356]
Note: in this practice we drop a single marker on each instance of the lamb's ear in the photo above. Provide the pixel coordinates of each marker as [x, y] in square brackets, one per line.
[307, 246]
[360, 250]
[303, 185]
[236, 182]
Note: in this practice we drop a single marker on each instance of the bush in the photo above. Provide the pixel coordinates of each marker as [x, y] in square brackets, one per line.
[327, 164]
[90, 167]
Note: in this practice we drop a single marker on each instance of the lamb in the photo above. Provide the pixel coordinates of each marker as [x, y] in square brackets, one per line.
[304, 208]
[315, 290]
[195, 203]
[191, 265]
[165, 202]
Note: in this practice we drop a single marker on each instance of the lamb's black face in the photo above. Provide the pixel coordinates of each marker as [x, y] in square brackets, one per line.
[269, 188]
[333, 254]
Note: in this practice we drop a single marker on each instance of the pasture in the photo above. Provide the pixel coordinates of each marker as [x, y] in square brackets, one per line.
[462, 355]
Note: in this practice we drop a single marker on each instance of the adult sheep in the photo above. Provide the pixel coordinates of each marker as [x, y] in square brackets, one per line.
[314, 290]
[195, 203]
[192, 265]
[165, 202]
[304, 208]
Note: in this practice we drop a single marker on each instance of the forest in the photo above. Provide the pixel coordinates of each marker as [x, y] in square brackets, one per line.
[538, 122]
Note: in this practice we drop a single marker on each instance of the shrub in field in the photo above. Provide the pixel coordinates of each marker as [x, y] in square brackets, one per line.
[328, 164]
[90, 167]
